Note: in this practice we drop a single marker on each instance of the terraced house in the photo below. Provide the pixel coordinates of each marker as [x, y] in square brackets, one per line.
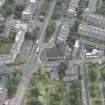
[91, 31]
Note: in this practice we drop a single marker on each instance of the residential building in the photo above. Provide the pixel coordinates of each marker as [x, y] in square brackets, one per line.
[94, 54]
[96, 20]
[30, 10]
[91, 31]
[70, 73]
[64, 29]
[2, 2]
[73, 5]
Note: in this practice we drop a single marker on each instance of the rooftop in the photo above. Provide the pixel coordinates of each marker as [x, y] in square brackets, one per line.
[91, 31]
[56, 52]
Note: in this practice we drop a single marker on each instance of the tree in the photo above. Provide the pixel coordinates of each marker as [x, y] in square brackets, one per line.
[62, 68]
[9, 2]
[32, 101]
[34, 91]
[103, 73]
[13, 81]
[18, 10]
[50, 29]
[31, 35]
[42, 74]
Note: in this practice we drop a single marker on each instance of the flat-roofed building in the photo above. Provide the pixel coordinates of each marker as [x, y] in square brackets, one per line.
[30, 10]
[73, 4]
[95, 54]
[91, 31]
[2, 2]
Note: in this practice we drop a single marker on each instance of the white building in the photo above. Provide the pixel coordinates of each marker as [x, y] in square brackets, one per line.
[76, 48]
[94, 54]
[2, 2]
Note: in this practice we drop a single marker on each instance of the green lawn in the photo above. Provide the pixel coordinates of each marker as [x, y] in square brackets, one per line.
[20, 60]
[5, 48]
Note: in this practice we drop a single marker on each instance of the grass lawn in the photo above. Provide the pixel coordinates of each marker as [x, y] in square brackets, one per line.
[20, 60]
[5, 48]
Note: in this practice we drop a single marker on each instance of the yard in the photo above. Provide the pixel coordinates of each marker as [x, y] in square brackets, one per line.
[5, 48]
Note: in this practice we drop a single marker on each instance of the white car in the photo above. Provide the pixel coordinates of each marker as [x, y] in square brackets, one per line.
[37, 50]
[37, 41]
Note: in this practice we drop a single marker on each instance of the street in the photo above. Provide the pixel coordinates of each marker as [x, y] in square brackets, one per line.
[32, 65]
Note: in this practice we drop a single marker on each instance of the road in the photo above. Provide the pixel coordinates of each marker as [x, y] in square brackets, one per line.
[92, 6]
[84, 91]
[32, 65]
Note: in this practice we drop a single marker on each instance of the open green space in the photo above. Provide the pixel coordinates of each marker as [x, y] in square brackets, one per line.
[32, 35]
[10, 8]
[13, 82]
[96, 102]
[5, 48]
[20, 60]
[6, 44]
[62, 69]
[57, 11]
[50, 30]
[101, 9]
[44, 9]
[45, 91]
[94, 84]
[75, 93]
[53, 22]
